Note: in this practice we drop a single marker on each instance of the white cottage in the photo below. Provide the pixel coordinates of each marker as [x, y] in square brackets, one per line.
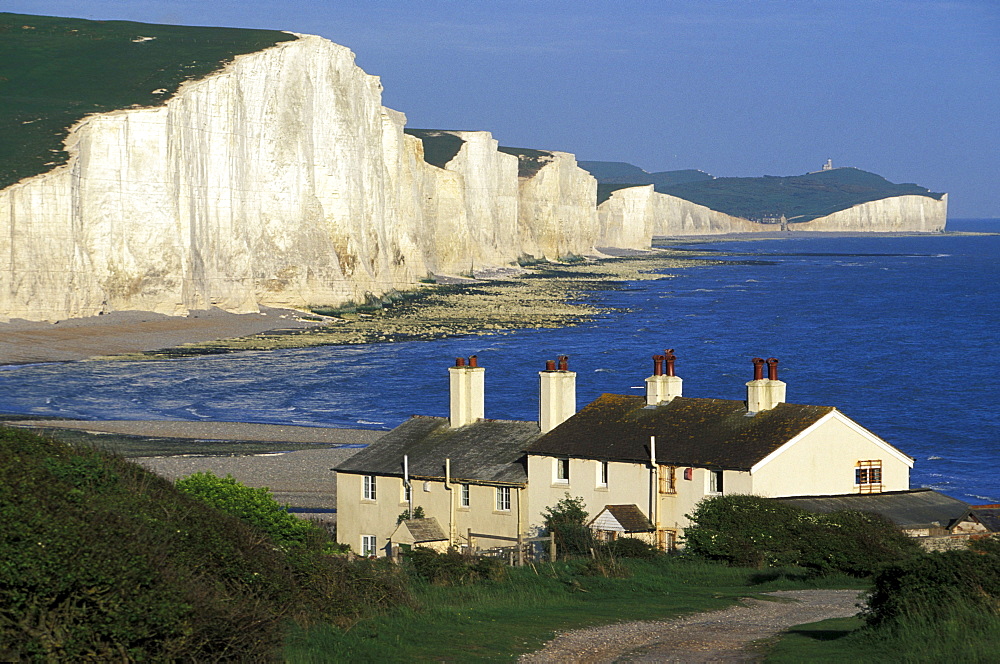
[648, 460]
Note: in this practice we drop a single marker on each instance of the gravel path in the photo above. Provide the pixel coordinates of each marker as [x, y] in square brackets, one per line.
[717, 636]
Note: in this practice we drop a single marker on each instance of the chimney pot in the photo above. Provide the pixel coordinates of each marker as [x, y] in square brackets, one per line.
[473, 361]
[669, 356]
[657, 365]
[772, 368]
[550, 365]
[564, 363]
[459, 361]
[758, 368]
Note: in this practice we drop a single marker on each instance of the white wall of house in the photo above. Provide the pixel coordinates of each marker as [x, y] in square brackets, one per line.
[357, 516]
[628, 484]
[822, 461]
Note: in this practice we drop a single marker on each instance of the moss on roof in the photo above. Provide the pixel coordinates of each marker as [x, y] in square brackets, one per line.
[715, 433]
[54, 71]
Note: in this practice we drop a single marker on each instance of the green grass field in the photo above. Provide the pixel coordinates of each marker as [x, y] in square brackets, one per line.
[55, 71]
[495, 621]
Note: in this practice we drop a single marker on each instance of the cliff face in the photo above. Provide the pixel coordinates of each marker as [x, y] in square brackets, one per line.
[261, 184]
[634, 215]
[896, 214]
[283, 181]
[280, 181]
[559, 196]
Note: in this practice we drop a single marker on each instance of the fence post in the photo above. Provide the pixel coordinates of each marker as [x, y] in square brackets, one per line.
[520, 550]
[470, 542]
[552, 546]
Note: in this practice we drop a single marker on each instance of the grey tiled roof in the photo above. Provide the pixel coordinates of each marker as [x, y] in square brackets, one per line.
[484, 451]
[916, 508]
[989, 516]
[690, 432]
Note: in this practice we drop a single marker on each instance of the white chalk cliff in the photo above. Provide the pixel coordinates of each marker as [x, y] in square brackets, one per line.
[886, 215]
[281, 180]
[639, 212]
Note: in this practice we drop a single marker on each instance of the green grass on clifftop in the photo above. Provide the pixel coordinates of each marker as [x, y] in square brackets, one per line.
[54, 71]
[798, 197]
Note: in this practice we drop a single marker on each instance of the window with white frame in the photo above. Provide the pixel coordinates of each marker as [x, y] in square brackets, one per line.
[562, 471]
[369, 488]
[407, 492]
[465, 495]
[368, 545]
[503, 498]
[602, 474]
[715, 481]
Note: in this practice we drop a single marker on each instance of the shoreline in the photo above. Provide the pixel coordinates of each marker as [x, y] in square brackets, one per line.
[496, 301]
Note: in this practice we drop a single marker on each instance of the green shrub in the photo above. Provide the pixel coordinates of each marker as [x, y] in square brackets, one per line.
[567, 519]
[930, 584]
[453, 568]
[629, 547]
[102, 560]
[751, 531]
[256, 507]
[857, 543]
[743, 531]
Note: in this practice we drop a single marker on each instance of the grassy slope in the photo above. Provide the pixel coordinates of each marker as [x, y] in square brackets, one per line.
[798, 197]
[54, 71]
[493, 621]
[100, 560]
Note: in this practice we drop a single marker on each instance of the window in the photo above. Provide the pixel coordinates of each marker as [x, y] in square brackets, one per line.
[407, 493]
[602, 474]
[368, 546]
[868, 476]
[668, 480]
[465, 495]
[369, 491]
[503, 498]
[562, 471]
[715, 481]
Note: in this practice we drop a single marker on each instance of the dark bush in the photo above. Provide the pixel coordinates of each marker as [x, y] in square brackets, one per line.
[930, 585]
[453, 568]
[567, 519]
[752, 531]
[629, 547]
[744, 531]
[856, 543]
[101, 560]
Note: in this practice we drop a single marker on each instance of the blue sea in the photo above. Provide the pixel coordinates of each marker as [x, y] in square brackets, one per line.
[899, 333]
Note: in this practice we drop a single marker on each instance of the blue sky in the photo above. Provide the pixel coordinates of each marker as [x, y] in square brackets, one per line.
[909, 89]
